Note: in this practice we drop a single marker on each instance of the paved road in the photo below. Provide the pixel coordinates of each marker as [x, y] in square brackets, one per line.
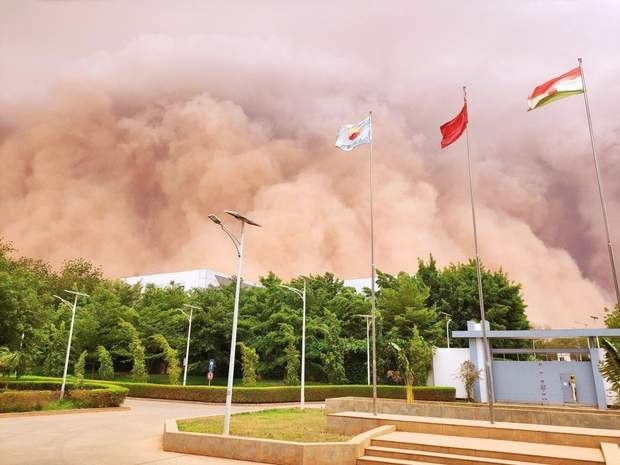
[130, 437]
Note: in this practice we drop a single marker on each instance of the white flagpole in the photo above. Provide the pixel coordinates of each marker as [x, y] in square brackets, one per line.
[372, 284]
[488, 361]
[600, 189]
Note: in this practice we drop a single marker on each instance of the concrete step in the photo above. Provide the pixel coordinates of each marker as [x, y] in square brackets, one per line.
[491, 448]
[368, 460]
[436, 457]
[353, 423]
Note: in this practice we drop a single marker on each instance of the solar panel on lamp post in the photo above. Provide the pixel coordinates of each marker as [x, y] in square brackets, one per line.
[238, 243]
[73, 310]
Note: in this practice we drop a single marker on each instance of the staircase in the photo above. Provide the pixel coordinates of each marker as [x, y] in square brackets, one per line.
[402, 448]
[414, 440]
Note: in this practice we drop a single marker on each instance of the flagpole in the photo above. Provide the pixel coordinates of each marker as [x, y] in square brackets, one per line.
[488, 363]
[600, 188]
[372, 278]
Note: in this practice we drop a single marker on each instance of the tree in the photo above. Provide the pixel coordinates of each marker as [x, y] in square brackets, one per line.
[106, 366]
[249, 362]
[402, 302]
[54, 348]
[138, 369]
[78, 370]
[171, 358]
[291, 355]
[332, 354]
[455, 291]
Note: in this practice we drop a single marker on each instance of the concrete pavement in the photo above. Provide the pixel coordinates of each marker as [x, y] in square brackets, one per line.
[130, 437]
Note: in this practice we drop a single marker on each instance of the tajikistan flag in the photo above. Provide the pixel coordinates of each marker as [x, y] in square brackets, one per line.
[352, 135]
[564, 86]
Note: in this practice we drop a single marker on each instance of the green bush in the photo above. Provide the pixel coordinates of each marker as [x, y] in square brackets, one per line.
[171, 357]
[254, 395]
[106, 366]
[90, 395]
[25, 401]
[79, 369]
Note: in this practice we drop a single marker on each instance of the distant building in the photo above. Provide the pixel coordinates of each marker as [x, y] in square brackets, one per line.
[193, 279]
[358, 284]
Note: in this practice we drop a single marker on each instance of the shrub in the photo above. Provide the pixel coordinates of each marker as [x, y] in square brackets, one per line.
[138, 370]
[253, 395]
[291, 356]
[108, 396]
[469, 375]
[249, 361]
[79, 370]
[25, 401]
[106, 366]
[34, 395]
[171, 357]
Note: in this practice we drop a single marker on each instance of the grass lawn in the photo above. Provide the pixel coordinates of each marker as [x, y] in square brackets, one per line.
[290, 424]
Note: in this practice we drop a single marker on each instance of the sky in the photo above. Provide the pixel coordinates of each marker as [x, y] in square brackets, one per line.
[124, 124]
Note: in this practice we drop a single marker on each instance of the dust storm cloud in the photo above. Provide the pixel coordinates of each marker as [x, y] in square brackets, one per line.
[119, 150]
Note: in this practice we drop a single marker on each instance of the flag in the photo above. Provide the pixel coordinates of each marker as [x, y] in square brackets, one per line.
[453, 129]
[352, 135]
[563, 86]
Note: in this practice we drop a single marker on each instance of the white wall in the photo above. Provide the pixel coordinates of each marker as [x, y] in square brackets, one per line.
[446, 365]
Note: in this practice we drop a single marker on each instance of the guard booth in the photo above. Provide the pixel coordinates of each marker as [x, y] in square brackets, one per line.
[568, 376]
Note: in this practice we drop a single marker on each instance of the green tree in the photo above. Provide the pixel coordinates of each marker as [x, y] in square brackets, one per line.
[106, 366]
[455, 291]
[333, 354]
[291, 355]
[403, 305]
[171, 358]
[78, 369]
[249, 362]
[54, 348]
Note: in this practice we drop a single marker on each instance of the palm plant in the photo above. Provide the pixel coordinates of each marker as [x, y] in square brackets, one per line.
[610, 367]
[405, 370]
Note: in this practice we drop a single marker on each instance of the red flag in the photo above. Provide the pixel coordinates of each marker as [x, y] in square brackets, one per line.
[453, 129]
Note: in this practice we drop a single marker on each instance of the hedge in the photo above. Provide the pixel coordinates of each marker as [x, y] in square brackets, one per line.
[260, 395]
[25, 401]
[90, 395]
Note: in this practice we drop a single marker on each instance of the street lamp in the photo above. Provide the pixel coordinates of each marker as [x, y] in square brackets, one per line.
[594, 318]
[448, 320]
[233, 341]
[189, 335]
[73, 309]
[368, 318]
[301, 294]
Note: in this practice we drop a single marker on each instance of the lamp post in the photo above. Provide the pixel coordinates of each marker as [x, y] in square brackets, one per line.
[594, 318]
[301, 294]
[368, 319]
[233, 341]
[189, 335]
[73, 309]
[448, 320]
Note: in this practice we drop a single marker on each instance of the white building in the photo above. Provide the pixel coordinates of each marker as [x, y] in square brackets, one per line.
[193, 279]
[358, 284]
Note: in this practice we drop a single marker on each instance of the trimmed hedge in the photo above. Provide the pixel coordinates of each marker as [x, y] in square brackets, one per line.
[90, 395]
[25, 401]
[265, 395]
